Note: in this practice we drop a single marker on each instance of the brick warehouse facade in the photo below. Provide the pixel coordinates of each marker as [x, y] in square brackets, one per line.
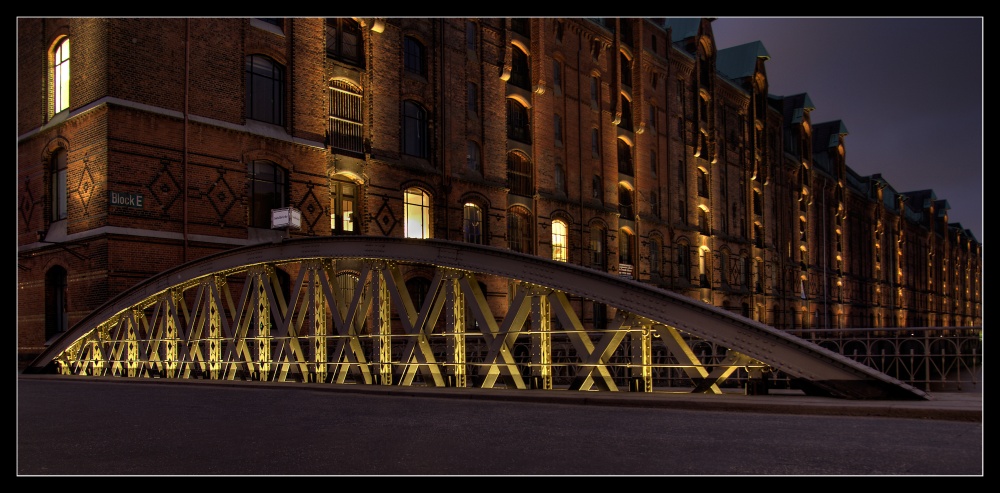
[634, 146]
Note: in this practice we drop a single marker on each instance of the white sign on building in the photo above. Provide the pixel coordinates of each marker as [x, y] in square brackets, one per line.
[287, 217]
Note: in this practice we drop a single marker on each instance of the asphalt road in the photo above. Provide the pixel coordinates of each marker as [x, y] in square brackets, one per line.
[69, 427]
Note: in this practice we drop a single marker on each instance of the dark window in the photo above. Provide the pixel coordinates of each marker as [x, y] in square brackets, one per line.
[626, 121]
[472, 98]
[598, 259]
[58, 188]
[595, 96]
[557, 124]
[683, 262]
[56, 310]
[344, 41]
[265, 86]
[703, 221]
[654, 204]
[519, 230]
[268, 190]
[414, 129]
[346, 128]
[473, 224]
[652, 116]
[520, 26]
[520, 74]
[626, 71]
[560, 178]
[470, 35]
[274, 21]
[597, 189]
[758, 206]
[625, 158]
[626, 247]
[557, 75]
[519, 174]
[518, 126]
[343, 207]
[702, 183]
[600, 316]
[595, 142]
[654, 255]
[418, 288]
[413, 56]
[472, 158]
[625, 202]
[652, 162]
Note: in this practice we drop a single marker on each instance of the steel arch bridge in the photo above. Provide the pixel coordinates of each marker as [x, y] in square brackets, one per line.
[337, 310]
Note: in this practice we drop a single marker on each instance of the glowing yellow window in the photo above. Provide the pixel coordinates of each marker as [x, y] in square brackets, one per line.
[560, 251]
[417, 210]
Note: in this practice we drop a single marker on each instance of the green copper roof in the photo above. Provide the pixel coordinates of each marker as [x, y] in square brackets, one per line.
[740, 61]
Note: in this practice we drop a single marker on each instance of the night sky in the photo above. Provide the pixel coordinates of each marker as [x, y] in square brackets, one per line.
[909, 91]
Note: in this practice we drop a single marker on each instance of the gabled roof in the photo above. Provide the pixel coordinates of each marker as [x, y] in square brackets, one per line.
[740, 61]
[682, 28]
[795, 107]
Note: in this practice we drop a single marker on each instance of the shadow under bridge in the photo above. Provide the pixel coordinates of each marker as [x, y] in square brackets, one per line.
[392, 311]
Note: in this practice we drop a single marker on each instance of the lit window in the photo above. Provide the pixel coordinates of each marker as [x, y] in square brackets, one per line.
[560, 249]
[265, 90]
[343, 205]
[472, 224]
[60, 76]
[417, 224]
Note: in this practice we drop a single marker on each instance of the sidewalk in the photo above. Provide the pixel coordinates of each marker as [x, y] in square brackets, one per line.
[954, 406]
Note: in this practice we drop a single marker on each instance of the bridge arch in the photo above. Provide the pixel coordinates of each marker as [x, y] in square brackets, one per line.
[225, 316]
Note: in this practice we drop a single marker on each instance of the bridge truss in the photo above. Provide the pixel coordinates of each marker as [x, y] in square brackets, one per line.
[339, 311]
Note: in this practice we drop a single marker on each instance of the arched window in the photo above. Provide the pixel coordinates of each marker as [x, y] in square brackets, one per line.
[473, 226]
[518, 125]
[345, 130]
[520, 72]
[344, 41]
[473, 160]
[56, 311]
[417, 211]
[560, 245]
[626, 247]
[626, 121]
[58, 184]
[625, 158]
[268, 190]
[414, 129]
[519, 175]
[519, 230]
[414, 59]
[654, 256]
[559, 177]
[702, 183]
[598, 247]
[60, 76]
[683, 262]
[265, 90]
[625, 202]
[346, 282]
[626, 70]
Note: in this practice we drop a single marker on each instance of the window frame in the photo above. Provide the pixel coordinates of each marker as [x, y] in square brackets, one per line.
[473, 224]
[414, 129]
[414, 56]
[58, 167]
[60, 72]
[416, 201]
[560, 240]
[273, 90]
[278, 181]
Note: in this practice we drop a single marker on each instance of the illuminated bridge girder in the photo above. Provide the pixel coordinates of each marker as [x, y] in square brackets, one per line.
[343, 314]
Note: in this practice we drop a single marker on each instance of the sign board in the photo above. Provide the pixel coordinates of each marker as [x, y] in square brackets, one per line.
[287, 217]
[119, 199]
[625, 270]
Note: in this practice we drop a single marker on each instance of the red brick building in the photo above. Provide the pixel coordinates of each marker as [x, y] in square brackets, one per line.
[634, 146]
